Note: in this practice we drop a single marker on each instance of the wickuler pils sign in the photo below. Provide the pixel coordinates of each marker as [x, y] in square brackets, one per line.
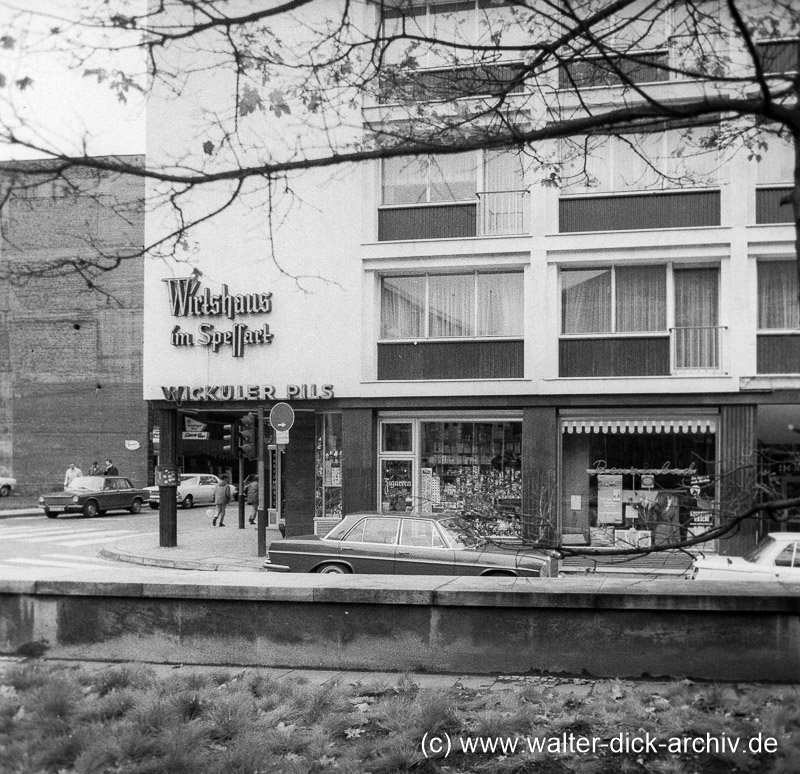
[187, 300]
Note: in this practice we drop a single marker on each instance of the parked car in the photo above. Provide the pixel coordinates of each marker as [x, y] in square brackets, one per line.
[6, 485]
[407, 544]
[193, 489]
[92, 495]
[775, 558]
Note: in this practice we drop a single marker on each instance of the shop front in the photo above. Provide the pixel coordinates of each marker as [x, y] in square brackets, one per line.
[635, 480]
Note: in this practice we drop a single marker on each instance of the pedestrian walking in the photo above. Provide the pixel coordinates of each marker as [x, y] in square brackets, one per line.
[222, 496]
[251, 493]
[73, 471]
[110, 469]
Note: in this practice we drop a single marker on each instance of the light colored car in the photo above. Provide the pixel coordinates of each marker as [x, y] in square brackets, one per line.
[6, 485]
[776, 558]
[193, 489]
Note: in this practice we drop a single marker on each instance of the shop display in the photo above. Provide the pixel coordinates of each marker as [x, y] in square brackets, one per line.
[328, 467]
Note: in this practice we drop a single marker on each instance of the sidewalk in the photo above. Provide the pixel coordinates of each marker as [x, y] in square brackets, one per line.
[200, 546]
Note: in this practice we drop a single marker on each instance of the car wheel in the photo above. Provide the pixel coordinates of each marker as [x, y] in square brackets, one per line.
[50, 514]
[188, 502]
[91, 508]
[5, 490]
[136, 506]
[333, 569]
[154, 506]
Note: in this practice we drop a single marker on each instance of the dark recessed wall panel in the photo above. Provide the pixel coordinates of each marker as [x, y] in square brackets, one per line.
[440, 222]
[778, 354]
[451, 360]
[614, 357]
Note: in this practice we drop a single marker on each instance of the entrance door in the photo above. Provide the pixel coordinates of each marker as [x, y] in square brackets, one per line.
[397, 485]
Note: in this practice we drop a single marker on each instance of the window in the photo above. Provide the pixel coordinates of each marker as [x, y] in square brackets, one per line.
[426, 179]
[639, 302]
[788, 557]
[777, 296]
[416, 532]
[380, 531]
[624, 310]
[452, 306]
[639, 162]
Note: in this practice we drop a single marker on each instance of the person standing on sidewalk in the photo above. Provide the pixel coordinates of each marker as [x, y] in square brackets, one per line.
[251, 493]
[73, 471]
[222, 496]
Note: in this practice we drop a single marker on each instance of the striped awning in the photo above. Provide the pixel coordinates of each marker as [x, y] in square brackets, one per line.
[654, 425]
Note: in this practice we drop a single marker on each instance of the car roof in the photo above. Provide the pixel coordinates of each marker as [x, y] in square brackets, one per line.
[406, 515]
[784, 537]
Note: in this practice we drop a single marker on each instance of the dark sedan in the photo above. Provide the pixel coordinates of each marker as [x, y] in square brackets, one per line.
[407, 544]
[91, 495]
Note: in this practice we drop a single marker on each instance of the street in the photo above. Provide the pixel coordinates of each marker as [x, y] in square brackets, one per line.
[71, 540]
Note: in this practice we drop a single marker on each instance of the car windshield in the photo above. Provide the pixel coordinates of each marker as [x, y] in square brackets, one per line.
[760, 550]
[85, 483]
[186, 478]
[460, 532]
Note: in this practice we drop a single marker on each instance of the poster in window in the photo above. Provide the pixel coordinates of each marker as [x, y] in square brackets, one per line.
[609, 499]
[396, 483]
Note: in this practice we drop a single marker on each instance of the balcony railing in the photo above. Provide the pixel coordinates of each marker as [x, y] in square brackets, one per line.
[697, 350]
[502, 212]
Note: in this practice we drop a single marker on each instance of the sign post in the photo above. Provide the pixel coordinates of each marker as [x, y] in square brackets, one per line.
[281, 419]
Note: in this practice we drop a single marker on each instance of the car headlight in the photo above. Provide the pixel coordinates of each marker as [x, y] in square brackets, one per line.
[75, 498]
[41, 499]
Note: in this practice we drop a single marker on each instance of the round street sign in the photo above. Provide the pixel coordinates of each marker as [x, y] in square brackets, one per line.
[281, 417]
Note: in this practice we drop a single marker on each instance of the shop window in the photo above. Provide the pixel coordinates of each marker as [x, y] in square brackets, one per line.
[329, 467]
[469, 467]
[637, 483]
[778, 318]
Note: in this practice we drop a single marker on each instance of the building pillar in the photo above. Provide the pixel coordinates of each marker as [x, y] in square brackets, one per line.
[540, 440]
[168, 499]
[359, 461]
[737, 461]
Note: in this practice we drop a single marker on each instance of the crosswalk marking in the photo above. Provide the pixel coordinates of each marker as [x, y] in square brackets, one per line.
[108, 533]
[85, 559]
[106, 539]
[50, 562]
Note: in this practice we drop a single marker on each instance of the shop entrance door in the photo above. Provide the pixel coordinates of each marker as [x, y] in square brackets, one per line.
[397, 485]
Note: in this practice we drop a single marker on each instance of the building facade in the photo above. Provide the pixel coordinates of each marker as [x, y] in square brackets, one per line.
[70, 336]
[603, 356]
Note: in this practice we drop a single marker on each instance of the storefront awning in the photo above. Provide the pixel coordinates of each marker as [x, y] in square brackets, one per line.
[685, 425]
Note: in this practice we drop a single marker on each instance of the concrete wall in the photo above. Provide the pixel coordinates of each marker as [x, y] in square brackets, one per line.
[600, 627]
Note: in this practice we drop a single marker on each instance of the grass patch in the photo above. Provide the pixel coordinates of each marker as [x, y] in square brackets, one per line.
[126, 720]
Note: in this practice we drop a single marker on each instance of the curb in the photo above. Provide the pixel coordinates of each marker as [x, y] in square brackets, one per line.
[10, 514]
[175, 564]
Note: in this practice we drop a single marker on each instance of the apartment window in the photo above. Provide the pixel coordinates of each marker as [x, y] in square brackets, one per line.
[453, 195]
[630, 299]
[777, 296]
[778, 57]
[617, 321]
[452, 306]
[425, 179]
[650, 161]
[775, 173]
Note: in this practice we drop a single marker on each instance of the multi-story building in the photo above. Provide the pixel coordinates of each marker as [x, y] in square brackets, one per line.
[589, 347]
[70, 335]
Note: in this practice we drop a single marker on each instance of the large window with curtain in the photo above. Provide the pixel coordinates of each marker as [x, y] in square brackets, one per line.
[778, 318]
[617, 321]
[452, 305]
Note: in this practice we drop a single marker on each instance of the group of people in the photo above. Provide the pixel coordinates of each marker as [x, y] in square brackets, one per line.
[73, 471]
[222, 496]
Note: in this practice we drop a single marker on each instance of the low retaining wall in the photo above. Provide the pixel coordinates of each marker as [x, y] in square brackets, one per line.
[600, 627]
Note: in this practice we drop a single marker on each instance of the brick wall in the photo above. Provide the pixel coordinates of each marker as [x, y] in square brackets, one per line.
[71, 345]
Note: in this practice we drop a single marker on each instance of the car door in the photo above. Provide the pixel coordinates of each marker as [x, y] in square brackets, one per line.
[787, 563]
[421, 550]
[370, 546]
[112, 496]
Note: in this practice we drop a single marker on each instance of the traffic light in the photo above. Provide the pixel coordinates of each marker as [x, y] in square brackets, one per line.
[248, 443]
[231, 438]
